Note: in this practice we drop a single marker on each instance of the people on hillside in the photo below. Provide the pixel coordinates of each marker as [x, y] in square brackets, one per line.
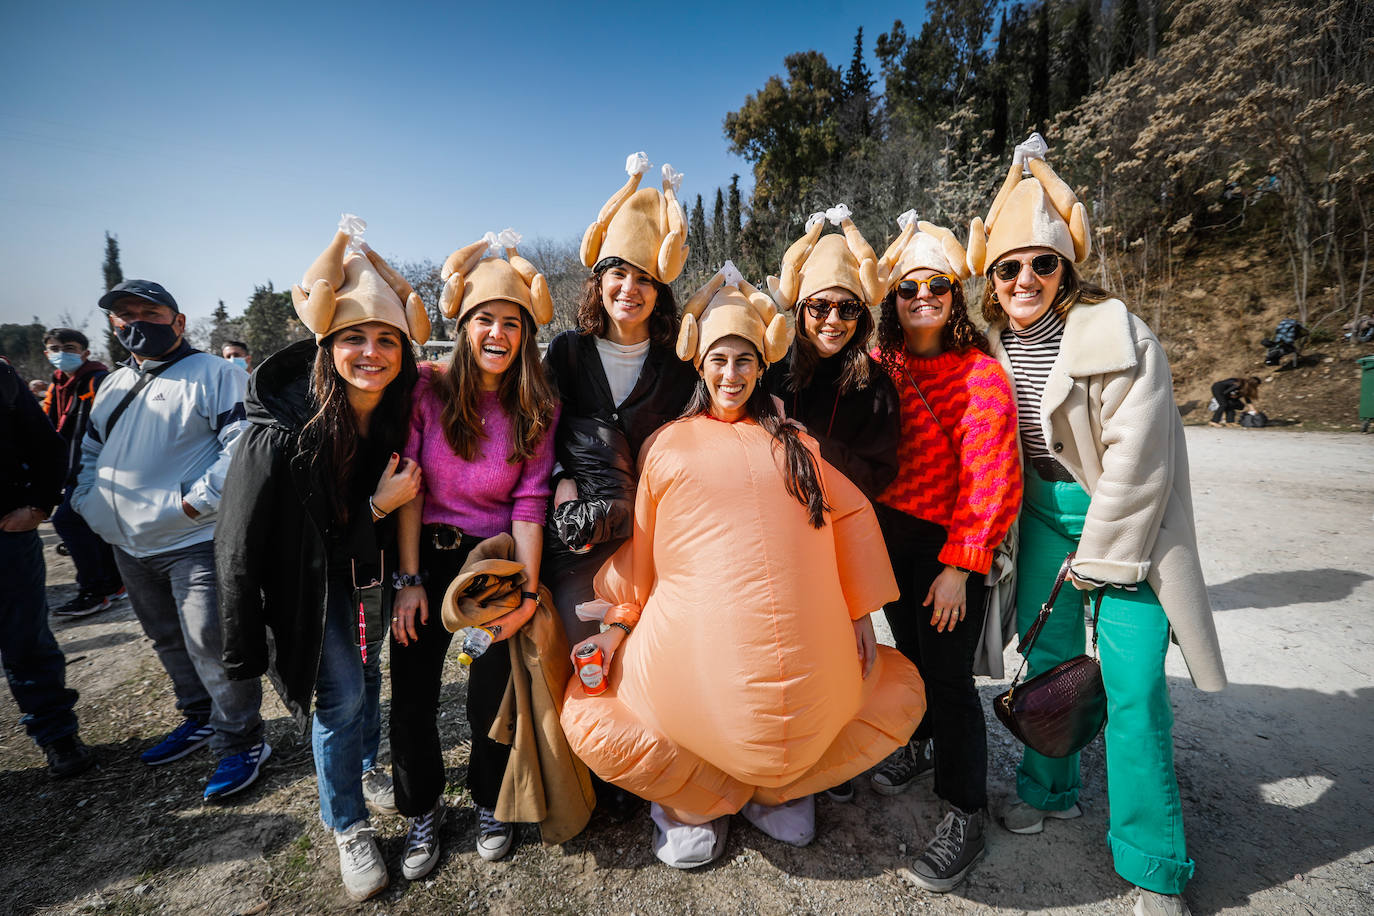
[75, 379]
[742, 667]
[306, 541]
[1107, 479]
[1231, 395]
[159, 439]
[827, 381]
[32, 469]
[481, 430]
[955, 497]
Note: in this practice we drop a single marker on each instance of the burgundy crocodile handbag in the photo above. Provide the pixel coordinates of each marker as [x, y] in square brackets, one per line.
[1057, 712]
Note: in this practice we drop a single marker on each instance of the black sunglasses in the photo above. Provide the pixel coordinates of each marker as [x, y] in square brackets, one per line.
[1042, 264]
[940, 285]
[850, 309]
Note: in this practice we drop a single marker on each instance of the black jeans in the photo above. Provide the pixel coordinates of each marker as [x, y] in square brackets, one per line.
[954, 711]
[93, 558]
[417, 761]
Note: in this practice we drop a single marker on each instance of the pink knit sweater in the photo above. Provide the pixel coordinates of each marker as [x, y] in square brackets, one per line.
[485, 495]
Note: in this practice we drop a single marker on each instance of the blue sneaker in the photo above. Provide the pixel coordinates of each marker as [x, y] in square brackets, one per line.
[187, 737]
[237, 771]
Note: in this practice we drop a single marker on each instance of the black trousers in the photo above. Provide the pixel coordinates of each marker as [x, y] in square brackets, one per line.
[1226, 404]
[417, 761]
[954, 712]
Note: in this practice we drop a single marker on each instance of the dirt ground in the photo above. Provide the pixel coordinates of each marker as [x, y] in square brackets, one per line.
[1274, 771]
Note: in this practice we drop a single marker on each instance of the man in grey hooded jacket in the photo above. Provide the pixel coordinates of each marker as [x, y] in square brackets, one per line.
[158, 443]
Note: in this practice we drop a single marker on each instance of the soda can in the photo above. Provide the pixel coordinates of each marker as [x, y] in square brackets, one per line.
[591, 669]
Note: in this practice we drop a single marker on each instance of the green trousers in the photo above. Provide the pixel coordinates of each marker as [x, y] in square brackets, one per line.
[1145, 831]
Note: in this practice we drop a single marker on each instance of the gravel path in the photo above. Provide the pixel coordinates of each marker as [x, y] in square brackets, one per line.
[1275, 771]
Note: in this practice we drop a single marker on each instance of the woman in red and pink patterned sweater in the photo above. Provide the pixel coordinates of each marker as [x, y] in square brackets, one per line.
[957, 492]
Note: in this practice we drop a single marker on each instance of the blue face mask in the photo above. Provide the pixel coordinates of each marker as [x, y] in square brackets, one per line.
[65, 362]
[240, 362]
[147, 339]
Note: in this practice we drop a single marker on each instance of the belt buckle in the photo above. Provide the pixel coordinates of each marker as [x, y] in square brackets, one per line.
[446, 537]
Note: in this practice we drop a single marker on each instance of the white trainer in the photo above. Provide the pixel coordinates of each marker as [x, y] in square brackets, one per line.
[360, 861]
[378, 790]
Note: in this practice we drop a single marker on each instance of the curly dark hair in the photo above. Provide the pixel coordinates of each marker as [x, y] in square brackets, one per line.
[803, 357]
[591, 314]
[1073, 289]
[957, 335]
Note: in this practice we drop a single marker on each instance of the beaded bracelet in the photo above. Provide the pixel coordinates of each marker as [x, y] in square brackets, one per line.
[622, 625]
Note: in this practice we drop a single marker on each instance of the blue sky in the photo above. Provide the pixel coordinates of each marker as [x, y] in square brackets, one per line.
[220, 142]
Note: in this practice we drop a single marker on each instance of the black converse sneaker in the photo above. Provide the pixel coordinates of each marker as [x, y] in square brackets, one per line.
[956, 846]
[905, 765]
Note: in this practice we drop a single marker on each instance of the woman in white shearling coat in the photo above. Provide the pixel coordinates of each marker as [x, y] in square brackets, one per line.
[1106, 478]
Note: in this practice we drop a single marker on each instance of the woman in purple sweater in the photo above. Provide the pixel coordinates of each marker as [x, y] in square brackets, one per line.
[480, 430]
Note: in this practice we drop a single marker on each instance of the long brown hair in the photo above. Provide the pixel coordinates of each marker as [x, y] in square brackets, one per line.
[801, 475]
[331, 435]
[853, 358]
[524, 394]
[591, 313]
[1073, 289]
[957, 335]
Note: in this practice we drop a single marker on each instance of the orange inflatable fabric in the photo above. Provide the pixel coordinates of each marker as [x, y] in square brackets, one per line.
[741, 681]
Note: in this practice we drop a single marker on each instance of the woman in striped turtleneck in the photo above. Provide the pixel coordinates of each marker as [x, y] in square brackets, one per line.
[1106, 479]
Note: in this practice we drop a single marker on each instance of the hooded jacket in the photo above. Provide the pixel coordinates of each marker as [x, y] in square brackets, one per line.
[1109, 417]
[69, 407]
[276, 535]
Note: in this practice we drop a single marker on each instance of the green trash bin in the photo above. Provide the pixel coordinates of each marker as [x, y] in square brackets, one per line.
[1366, 364]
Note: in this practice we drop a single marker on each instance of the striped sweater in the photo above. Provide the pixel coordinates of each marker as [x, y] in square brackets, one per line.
[1032, 353]
[958, 468]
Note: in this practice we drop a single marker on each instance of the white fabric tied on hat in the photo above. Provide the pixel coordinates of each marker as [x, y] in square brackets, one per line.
[509, 238]
[906, 219]
[814, 218]
[355, 226]
[672, 178]
[637, 163]
[1034, 147]
[730, 274]
[838, 214]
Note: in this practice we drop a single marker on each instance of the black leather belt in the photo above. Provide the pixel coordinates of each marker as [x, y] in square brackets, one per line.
[1051, 470]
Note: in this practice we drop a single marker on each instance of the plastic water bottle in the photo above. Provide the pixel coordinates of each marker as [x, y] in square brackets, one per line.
[476, 640]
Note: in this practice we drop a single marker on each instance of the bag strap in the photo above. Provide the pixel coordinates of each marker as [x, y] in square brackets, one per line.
[938, 425]
[143, 379]
[1026, 644]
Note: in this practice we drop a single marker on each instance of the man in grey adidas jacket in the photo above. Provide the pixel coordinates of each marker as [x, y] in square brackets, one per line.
[158, 443]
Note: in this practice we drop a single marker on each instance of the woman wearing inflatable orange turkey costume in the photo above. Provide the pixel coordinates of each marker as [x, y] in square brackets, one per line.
[749, 694]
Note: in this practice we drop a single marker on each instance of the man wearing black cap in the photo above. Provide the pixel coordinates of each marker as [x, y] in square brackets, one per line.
[159, 440]
[31, 472]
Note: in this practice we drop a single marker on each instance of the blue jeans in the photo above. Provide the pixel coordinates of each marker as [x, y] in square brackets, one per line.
[175, 597]
[92, 557]
[34, 665]
[347, 726]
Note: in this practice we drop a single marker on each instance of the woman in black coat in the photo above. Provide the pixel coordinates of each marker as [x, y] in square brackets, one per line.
[619, 380]
[304, 552]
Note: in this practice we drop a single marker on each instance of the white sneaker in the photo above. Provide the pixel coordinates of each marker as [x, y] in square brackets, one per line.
[1024, 817]
[687, 845]
[493, 837]
[792, 822]
[1151, 904]
[360, 862]
[378, 791]
[422, 843]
